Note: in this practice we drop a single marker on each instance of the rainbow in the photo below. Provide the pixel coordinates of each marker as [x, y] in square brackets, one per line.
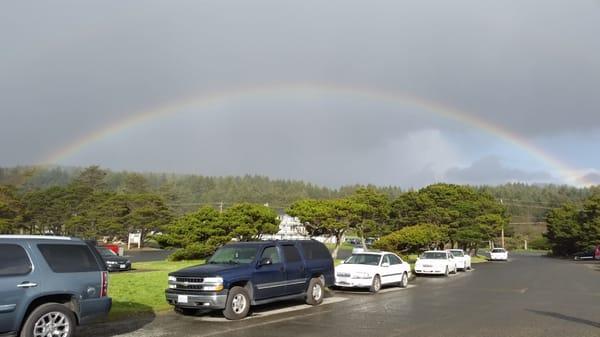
[208, 99]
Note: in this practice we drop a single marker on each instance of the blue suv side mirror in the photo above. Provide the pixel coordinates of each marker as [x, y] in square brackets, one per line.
[265, 261]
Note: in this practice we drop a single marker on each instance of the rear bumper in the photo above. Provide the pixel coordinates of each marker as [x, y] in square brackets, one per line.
[91, 310]
[197, 301]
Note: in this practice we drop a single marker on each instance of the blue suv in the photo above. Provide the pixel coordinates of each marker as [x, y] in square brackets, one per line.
[49, 285]
[240, 274]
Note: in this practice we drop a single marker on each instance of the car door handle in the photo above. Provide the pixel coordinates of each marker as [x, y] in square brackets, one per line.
[27, 285]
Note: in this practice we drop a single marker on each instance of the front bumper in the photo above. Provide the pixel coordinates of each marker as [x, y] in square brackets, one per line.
[197, 301]
[430, 270]
[119, 267]
[498, 258]
[347, 282]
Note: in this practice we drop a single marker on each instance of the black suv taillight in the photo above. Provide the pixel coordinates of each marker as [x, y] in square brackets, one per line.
[104, 287]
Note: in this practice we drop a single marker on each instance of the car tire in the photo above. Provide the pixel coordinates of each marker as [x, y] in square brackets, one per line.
[237, 305]
[447, 272]
[53, 316]
[315, 291]
[375, 285]
[404, 282]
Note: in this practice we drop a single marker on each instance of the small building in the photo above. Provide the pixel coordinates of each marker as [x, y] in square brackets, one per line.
[290, 228]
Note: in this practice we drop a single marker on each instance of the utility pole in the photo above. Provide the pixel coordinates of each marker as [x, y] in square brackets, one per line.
[502, 235]
[221, 207]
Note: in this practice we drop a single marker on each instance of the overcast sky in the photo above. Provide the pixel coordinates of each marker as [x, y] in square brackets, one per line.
[68, 69]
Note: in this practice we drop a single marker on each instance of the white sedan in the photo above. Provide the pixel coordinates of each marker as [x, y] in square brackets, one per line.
[498, 254]
[439, 262]
[463, 261]
[372, 270]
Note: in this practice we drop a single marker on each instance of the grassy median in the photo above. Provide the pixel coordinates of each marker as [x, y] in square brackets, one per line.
[142, 291]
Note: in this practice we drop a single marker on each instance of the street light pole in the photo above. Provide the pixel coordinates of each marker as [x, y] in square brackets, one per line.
[502, 234]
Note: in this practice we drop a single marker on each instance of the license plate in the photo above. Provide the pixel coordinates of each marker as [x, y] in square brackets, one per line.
[123, 266]
[427, 265]
[182, 299]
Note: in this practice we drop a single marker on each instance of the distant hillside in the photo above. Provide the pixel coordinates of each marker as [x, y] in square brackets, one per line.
[527, 204]
[187, 191]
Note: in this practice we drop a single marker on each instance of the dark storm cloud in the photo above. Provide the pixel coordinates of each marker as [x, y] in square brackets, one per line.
[491, 171]
[70, 67]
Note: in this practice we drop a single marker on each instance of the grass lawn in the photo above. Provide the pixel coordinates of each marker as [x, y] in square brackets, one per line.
[478, 259]
[142, 291]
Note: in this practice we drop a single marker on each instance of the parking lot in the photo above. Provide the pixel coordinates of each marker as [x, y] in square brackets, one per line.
[527, 296]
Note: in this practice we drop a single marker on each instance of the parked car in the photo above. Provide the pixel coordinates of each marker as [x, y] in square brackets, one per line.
[239, 275]
[439, 262]
[356, 249]
[463, 261]
[48, 285]
[372, 270]
[113, 261]
[353, 241]
[593, 254]
[498, 254]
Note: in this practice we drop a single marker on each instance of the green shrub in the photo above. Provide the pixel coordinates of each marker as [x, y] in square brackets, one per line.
[539, 244]
[194, 251]
[412, 239]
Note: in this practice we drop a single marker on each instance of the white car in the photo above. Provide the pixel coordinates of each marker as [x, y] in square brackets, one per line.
[462, 260]
[440, 262]
[372, 270]
[498, 254]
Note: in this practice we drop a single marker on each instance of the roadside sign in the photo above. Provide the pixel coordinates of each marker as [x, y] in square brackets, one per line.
[134, 238]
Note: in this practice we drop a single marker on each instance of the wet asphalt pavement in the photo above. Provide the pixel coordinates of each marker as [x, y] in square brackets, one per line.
[527, 296]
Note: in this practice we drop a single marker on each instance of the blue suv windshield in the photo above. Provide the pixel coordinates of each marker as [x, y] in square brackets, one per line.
[234, 255]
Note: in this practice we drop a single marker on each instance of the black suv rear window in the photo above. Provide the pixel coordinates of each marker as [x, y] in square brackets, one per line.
[69, 258]
[13, 260]
[315, 250]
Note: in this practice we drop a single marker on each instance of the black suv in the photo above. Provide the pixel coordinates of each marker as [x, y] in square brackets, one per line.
[49, 285]
[239, 275]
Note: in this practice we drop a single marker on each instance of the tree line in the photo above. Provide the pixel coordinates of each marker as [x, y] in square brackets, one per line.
[186, 192]
[437, 216]
[96, 203]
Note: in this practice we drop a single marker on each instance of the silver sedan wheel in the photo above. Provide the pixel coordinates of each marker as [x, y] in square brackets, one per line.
[238, 304]
[52, 324]
[376, 283]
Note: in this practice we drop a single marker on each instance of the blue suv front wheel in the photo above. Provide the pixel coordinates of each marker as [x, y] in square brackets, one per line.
[238, 304]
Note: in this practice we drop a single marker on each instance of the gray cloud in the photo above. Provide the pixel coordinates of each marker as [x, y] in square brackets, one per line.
[492, 171]
[593, 178]
[69, 68]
